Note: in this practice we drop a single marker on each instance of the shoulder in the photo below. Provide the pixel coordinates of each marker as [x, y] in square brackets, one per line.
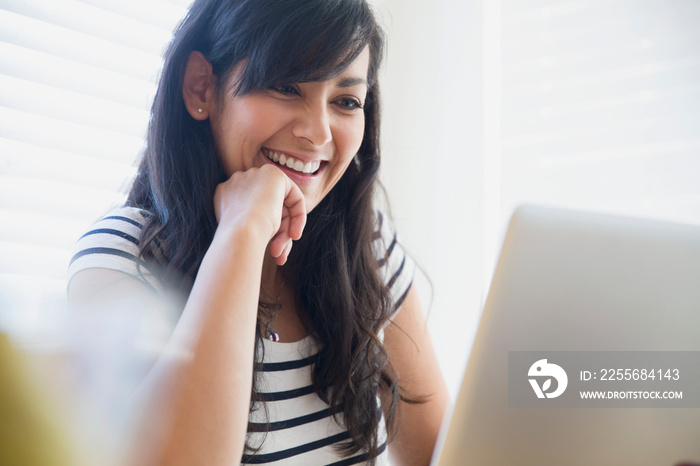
[395, 265]
[113, 243]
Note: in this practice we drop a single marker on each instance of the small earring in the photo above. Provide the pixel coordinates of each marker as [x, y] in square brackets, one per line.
[199, 110]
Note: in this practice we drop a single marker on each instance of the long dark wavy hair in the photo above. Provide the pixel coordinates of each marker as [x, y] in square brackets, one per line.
[340, 296]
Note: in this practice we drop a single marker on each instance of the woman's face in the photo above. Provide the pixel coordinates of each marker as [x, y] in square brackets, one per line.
[311, 130]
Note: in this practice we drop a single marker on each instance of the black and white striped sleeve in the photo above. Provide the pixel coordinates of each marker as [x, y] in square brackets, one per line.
[113, 243]
[395, 265]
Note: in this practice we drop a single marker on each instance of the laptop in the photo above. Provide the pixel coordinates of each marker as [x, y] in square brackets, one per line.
[608, 301]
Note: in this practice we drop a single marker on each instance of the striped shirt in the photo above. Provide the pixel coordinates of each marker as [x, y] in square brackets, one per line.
[301, 429]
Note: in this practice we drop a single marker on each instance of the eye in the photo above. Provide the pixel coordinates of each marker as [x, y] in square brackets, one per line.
[349, 103]
[286, 89]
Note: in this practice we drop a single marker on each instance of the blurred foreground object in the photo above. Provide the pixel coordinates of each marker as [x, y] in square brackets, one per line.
[30, 430]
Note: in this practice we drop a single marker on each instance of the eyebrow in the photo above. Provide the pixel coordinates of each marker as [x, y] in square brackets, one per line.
[349, 82]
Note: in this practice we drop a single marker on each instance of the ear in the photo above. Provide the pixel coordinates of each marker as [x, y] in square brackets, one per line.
[198, 87]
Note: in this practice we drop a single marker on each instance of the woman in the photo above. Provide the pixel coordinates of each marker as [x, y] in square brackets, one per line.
[255, 201]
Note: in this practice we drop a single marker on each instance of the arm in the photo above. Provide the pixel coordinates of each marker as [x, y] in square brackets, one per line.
[210, 414]
[193, 404]
[411, 353]
[201, 402]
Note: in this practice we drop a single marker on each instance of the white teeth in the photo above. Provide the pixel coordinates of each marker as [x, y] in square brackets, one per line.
[296, 165]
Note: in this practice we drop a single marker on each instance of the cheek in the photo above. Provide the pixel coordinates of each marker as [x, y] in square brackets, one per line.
[359, 136]
[351, 139]
[239, 131]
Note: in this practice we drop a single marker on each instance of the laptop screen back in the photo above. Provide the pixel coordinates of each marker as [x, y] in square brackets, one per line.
[572, 284]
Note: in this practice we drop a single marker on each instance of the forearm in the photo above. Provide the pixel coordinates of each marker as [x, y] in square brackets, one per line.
[207, 416]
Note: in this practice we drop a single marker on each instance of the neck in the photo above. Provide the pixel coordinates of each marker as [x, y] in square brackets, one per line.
[271, 279]
[285, 321]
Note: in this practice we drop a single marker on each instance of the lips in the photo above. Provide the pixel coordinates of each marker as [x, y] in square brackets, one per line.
[286, 160]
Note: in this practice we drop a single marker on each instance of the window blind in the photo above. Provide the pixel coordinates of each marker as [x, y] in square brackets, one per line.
[601, 105]
[597, 107]
[76, 83]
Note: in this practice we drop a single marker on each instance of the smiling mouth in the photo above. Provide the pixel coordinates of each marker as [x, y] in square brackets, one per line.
[308, 168]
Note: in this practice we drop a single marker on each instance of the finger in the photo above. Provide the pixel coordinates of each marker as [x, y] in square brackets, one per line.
[284, 222]
[282, 259]
[279, 243]
[296, 205]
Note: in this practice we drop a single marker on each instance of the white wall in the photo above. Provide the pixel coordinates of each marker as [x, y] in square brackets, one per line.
[432, 160]
[490, 104]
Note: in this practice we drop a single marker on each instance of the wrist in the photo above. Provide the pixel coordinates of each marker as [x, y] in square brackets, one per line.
[247, 235]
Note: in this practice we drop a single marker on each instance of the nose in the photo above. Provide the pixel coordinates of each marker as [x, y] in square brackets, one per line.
[313, 125]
